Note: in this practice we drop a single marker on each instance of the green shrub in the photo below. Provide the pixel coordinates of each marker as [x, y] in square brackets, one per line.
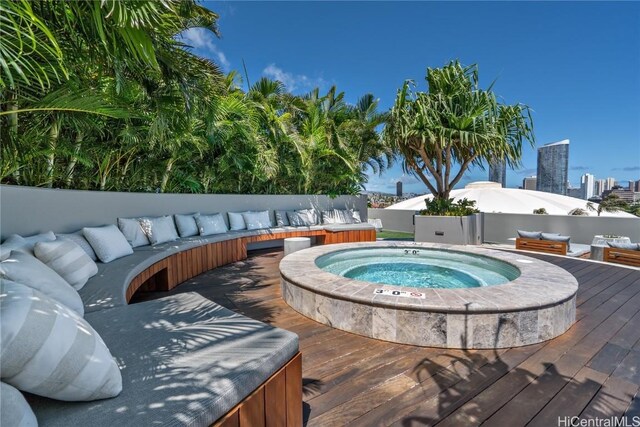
[447, 207]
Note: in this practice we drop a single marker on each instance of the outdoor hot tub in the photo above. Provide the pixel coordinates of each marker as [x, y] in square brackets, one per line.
[431, 294]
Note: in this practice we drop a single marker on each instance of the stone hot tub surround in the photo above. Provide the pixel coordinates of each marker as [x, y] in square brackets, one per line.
[536, 306]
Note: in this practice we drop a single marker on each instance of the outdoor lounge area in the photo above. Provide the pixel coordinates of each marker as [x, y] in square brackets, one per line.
[202, 333]
[271, 214]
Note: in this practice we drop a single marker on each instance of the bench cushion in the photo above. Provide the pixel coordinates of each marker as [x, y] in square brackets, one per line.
[192, 362]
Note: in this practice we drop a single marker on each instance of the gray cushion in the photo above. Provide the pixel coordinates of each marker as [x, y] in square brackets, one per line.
[578, 249]
[132, 230]
[192, 362]
[356, 216]
[160, 229]
[557, 238]
[530, 234]
[628, 246]
[14, 409]
[16, 242]
[236, 221]
[28, 270]
[304, 217]
[337, 216]
[281, 218]
[68, 260]
[211, 224]
[256, 220]
[108, 242]
[187, 224]
[49, 350]
[78, 239]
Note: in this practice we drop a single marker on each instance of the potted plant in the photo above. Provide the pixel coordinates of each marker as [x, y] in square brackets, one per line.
[446, 221]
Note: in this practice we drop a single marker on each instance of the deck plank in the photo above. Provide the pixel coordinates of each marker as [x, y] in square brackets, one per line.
[591, 370]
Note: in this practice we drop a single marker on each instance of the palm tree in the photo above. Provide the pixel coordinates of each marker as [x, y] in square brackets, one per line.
[455, 122]
[611, 203]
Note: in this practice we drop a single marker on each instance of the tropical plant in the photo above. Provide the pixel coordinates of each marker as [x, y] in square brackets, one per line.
[106, 96]
[455, 125]
[447, 207]
[611, 203]
[540, 211]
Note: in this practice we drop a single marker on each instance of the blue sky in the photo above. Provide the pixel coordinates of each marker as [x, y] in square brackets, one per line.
[576, 64]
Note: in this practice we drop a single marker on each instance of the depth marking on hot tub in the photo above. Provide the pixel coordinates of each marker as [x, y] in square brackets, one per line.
[405, 294]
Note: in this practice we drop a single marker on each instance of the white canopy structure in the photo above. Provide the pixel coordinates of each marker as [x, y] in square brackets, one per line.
[491, 197]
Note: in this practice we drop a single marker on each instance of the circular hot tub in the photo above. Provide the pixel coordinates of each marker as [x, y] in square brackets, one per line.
[431, 294]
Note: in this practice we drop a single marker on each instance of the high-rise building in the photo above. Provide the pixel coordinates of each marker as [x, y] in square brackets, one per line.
[636, 186]
[498, 171]
[587, 186]
[575, 192]
[399, 188]
[529, 183]
[599, 187]
[609, 183]
[553, 167]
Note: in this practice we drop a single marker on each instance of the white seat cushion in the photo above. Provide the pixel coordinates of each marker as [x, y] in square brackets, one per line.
[26, 269]
[14, 409]
[68, 260]
[50, 350]
[108, 242]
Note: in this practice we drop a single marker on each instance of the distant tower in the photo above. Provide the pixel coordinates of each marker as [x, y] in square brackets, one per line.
[609, 183]
[498, 171]
[399, 188]
[553, 167]
[587, 186]
[600, 184]
[529, 183]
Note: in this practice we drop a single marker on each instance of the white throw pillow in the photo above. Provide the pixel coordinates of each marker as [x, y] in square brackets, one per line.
[133, 231]
[50, 350]
[78, 239]
[282, 220]
[186, 224]
[236, 221]
[68, 260]
[108, 242]
[337, 216]
[16, 242]
[256, 220]
[211, 224]
[30, 271]
[14, 409]
[304, 217]
[356, 216]
[160, 229]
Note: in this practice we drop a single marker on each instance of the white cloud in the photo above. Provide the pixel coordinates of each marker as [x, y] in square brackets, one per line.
[203, 40]
[293, 81]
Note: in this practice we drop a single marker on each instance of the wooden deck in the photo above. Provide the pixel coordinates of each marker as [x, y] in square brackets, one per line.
[593, 370]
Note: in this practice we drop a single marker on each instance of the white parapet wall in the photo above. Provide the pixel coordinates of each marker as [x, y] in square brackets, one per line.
[394, 219]
[30, 210]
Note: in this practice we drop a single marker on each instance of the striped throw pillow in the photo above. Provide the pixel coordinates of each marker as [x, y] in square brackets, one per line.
[49, 350]
[67, 259]
[14, 409]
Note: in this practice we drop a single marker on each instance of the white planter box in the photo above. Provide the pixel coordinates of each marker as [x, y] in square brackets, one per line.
[455, 230]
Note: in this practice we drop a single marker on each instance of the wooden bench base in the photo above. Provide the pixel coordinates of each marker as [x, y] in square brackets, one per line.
[547, 246]
[177, 268]
[276, 403]
[622, 256]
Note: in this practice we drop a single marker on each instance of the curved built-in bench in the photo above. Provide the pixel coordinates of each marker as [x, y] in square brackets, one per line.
[196, 363]
[163, 267]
